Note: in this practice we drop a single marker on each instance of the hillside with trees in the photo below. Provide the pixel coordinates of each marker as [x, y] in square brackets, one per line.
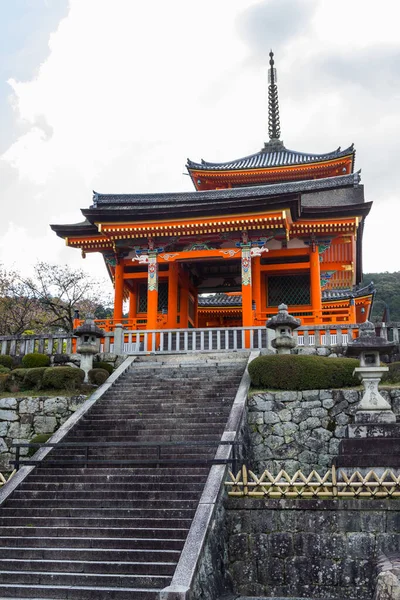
[387, 295]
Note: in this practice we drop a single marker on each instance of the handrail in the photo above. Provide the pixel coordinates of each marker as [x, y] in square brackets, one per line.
[157, 460]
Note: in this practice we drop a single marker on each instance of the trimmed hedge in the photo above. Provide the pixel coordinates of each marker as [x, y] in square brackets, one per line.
[98, 376]
[35, 359]
[99, 364]
[300, 372]
[393, 375]
[6, 361]
[33, 378]
[59, 378]
[4, 369]
[4, 378]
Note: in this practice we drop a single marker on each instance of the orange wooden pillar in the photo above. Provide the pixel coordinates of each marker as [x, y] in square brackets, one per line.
[315, 284]
[256, 284]
[118, 292]
[152, 297]
[352, 311]
[133, 302]
[173, 290]
[247, 292]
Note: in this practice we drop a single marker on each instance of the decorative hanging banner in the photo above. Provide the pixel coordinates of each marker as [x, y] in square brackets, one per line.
[152, 276]
[246, 264]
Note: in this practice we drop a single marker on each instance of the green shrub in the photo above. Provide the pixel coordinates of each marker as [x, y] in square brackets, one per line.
[33, 378]
[393, 375]
[41, 438]
[6, 361]
[4, 378]
[16, 380]
[299, 372]
[4, 369]
[98, 376]
[35, 359]
[60, 378]
[99, 364]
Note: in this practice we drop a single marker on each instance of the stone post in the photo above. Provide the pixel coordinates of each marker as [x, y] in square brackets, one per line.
[119, 339]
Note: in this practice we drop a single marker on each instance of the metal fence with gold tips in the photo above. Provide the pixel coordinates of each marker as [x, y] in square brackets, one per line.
[333, 484]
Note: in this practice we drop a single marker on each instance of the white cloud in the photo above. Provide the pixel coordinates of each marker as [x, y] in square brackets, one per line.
[130, 89]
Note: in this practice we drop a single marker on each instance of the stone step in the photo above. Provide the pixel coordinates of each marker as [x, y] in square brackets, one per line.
[134, 555]
[90, 503]
[108, 489]
[57, 592]
[108, 495]
[88, 566]
[137, 522]
[108, 542]
[83, 579]
[118, 514]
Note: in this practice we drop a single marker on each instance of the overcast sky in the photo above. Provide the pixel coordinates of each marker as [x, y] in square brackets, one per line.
[114, 95]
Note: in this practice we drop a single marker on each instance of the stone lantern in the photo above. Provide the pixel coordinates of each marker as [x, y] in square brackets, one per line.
[88, 343]
[283, 324]
[368, 346]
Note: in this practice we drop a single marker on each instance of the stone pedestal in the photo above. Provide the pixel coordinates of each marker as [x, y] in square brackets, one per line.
[373, 407]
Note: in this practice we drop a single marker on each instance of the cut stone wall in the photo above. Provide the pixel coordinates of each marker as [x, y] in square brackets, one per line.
[302, 430]
[23, 418]
[313, 548]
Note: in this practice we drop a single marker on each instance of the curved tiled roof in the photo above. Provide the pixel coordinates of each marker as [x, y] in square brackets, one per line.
[274, 157]
[224, 300]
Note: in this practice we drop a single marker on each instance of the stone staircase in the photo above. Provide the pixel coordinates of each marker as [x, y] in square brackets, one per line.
[117, 530]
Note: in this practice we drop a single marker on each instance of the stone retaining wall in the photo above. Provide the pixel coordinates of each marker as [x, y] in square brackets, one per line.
[23, 418]
[313, 548]
[302, 430]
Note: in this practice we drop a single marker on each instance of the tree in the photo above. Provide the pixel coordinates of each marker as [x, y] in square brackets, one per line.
[61, 290]
[387, 294]
[19, 310]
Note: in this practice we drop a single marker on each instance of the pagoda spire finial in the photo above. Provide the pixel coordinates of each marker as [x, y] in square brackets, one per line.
[274, 128]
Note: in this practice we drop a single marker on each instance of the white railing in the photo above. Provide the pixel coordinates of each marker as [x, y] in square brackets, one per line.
[220, 339]
[123, 341]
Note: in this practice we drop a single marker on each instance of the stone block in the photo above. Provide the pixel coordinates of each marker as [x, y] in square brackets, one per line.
[271, 571]
[260, 402]
[255, 418]
[360, 546]
[19, 430]
[310, 423]
[319, 412]
[9, 403]
[238, 547]
[310, 395]
[288, 396]
[339, 408]
[349, 521]
[8, 415]
[29, 405]
[291, 466]
[274, 441]
[356, 573]
[300, 414]
[332, 545]
[325, 571]
[285, 415]
[3, 428]
[393, 522]
[55, 406]
[342, 419]
[44, 424]
[325, 394]
[270, 418]
[322, 434]
[3, 446]
[281, 544]
[308, 351]
[387, 543]
[373, 521]
[262, 452]
[306, 544]
[298, 571]
[334, 446]
[5, 459]
[328, 403]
